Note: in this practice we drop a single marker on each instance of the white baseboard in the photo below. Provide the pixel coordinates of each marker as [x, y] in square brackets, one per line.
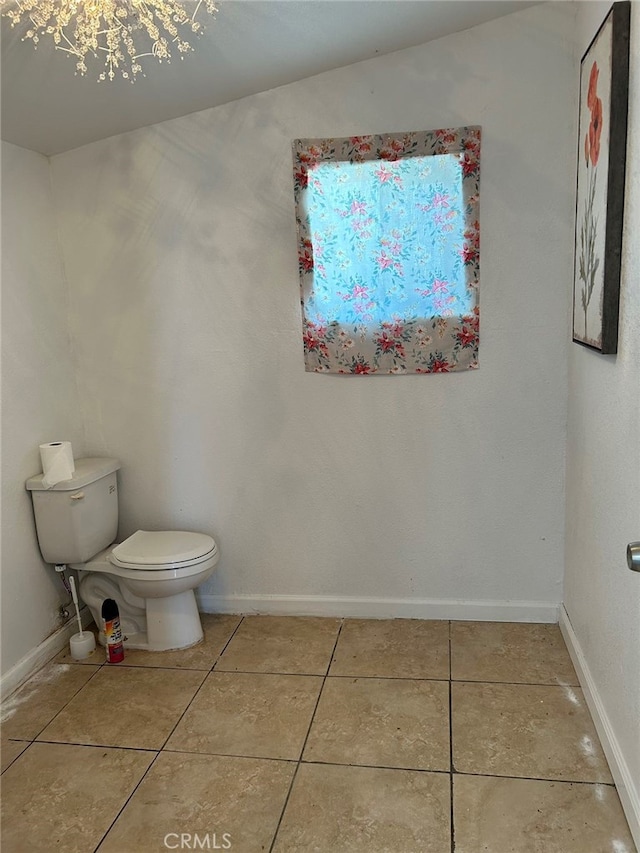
[381, 608]
[37, 657]
[628, 789]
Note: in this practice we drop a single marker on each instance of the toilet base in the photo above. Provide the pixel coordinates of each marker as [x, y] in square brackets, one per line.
[152, 624]
[173, 622]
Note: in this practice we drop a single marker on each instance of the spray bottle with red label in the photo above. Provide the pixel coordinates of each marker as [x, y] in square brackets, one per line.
[112, 631]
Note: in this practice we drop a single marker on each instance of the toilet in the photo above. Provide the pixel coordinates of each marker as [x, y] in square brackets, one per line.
[152, 575]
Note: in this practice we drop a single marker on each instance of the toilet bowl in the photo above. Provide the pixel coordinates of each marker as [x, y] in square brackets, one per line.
[152, 576]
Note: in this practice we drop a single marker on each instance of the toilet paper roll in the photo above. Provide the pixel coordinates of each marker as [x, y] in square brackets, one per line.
[57, 462]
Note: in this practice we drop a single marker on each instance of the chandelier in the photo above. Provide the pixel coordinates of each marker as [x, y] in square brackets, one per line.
[121, 32]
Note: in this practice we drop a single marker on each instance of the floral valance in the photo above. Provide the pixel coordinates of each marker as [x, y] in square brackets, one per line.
[389, 251]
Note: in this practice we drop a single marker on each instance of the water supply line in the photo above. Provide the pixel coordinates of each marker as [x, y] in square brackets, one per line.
[65, 609]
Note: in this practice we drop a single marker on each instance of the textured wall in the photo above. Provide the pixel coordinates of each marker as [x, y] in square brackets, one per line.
[39, 394]
[179, 245]
[602, 597]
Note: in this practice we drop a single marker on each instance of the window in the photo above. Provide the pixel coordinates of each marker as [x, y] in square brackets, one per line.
[389, 251]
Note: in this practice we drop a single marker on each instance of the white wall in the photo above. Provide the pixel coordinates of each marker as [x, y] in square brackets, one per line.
[180, 252]
[602, 597]
[39, 394]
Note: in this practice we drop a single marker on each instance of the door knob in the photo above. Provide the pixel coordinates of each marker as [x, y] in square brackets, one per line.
[633, 556]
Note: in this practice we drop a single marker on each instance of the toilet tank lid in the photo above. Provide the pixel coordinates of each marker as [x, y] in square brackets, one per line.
[88, 470]
[161, 547]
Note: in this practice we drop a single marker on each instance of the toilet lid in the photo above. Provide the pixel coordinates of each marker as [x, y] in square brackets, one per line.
[156, 548]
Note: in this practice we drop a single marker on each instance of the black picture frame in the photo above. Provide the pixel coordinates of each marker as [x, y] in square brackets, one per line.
[600, 182]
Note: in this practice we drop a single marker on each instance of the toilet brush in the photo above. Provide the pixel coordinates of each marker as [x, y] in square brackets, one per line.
[83, 643]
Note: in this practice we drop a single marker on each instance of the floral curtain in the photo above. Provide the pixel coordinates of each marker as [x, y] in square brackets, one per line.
[389, 251]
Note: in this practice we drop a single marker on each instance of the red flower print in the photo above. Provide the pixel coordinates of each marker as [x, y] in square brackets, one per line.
[466, 337]
[595, 129]
[362, 143]
[306, 261]
[468, 253]
[438, 365]
[446, 136]
[361, 367]
[472, 235]
[385, 342]
[397, 145]
[301, 177]
[310, 343]
[593, 85]
[469, 164]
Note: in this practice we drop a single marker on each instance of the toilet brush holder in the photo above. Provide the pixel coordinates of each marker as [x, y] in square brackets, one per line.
[82, 645]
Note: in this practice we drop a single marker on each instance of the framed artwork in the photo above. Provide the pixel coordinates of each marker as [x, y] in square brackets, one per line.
[604, 92]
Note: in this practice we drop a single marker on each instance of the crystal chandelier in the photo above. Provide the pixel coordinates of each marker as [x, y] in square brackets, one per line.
[119, 31]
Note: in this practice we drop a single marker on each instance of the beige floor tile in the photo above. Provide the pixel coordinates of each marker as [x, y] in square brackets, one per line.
[61, 797]
[27, 711]
[10, 750]
[527, 816]
[366, 809]
[393, 648]
[524, 730]
[217, 630]
[283, 644]
[251, 714]
[208, 796]
[510, 651]
[382, 722]
[126, 706]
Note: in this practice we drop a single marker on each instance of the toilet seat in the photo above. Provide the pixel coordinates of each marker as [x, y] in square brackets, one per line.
[162, 550]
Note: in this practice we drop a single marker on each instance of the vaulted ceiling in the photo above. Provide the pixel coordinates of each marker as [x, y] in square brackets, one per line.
[251, 46]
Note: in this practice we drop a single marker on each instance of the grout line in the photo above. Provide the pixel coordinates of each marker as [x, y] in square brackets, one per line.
[165, 743]
[207, 673]
[391, 677]
[224, 648]
[320, 762]
[97, 745]
[182, 751]
[451, 765]
[28, 743]
[269, 672]
[376, 767]
[126, 803]
[71, 698]
[304, 744]
[155, 667]
[515, 683]
[532, 778]
[446, 678]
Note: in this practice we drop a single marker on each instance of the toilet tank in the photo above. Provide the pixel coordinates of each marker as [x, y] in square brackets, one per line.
[77, 518]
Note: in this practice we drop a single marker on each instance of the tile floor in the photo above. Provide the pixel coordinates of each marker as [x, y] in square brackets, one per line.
[304, 734]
